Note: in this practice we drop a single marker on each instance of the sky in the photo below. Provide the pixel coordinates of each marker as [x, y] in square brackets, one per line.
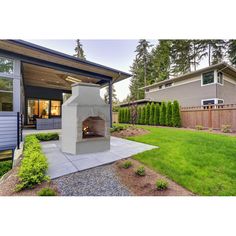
[118, 54]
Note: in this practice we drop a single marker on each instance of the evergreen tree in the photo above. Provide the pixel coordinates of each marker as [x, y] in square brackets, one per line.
[147, 114]
[176, 119]
[169, 114]
[139, 115]
[162, 119]
[143, 115]
[157, 114]
[125, 115]
[160, 61]
[79, 52]
[114, 96]
[232, 51]
[152, 114]
[121, 115]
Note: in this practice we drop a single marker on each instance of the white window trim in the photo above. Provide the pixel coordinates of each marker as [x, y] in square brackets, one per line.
[215, 78]
[215, 101]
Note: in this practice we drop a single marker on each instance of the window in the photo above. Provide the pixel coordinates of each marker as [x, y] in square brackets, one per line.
[212, 101]
[147, 90]
[220, 77]
[208, 102]
[160, 87]
[55, 108]
[208, 78]
[6, 94]
[6, 66]
[168, 85]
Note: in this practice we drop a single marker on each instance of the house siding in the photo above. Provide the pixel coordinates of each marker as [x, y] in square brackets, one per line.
[227, 91]
[188, 93]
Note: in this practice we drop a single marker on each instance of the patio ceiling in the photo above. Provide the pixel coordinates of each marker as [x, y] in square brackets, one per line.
[58, 63]
[50, 78]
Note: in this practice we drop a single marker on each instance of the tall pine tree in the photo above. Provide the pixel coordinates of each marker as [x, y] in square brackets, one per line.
[79, 52]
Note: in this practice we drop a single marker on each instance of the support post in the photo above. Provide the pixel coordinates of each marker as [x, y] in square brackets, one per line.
[110, 101]
[18, 130]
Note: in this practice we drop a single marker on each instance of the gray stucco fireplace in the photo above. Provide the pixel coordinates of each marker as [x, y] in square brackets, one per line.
[85, 121]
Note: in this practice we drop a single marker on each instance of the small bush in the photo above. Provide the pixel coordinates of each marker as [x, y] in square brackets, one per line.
[5, 166]
[226, 128]
[161, 184]
[162, 117]
[46, 192]
[199, 127]
[47, 136]
[33, 166]
[117, 128]
[140, 171]
[127, 164]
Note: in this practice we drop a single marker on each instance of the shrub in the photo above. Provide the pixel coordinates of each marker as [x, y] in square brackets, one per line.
[5, 166]
[226, 128]
[47, 136]
[125, 115]
[143, 115]
[162, 119]
[139, 115]
[161, 184]
[176, 119]
[152, 114]
[33, 166]
[169, 114]
[46, 192]
[117, 128]
[157, 114]
[126, 164]
[199, 127]
[147, 114]
[140, 171]
[119, 115]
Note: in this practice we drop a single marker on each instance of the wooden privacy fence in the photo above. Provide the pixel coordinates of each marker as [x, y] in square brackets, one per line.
[213, 116]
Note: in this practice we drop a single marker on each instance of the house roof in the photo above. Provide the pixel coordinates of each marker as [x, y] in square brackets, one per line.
[140, 101]
[223, 66]
[28, 52]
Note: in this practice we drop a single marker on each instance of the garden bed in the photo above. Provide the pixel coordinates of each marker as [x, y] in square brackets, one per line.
[129, 131]
[10, 180]
[146, 185]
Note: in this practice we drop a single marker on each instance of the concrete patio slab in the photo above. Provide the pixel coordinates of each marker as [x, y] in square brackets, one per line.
[64, 163]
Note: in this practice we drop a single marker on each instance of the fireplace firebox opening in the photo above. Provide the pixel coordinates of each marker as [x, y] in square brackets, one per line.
[93, 127]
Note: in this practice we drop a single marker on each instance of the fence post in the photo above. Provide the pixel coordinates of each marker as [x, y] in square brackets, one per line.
[209, 117]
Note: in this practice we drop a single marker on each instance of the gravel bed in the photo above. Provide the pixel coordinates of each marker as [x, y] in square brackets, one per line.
[98, 181]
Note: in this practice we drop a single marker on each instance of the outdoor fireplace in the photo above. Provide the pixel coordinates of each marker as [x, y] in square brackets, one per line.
[93, 127]
[85, 121]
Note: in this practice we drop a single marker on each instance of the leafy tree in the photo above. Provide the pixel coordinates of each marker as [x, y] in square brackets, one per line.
[176, 119]
[147, 113]
[152, 114]
[157, 114]
[162, 119]
[232, 51]
[79, 52]
[169, 114]
[128, 115]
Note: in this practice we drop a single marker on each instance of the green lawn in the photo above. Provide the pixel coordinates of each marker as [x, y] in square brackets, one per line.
[202, 162]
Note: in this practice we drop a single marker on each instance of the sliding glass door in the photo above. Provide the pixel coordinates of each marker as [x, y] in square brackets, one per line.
[44, 109]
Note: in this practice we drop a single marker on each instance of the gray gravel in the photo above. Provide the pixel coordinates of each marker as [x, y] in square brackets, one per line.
[98, 181]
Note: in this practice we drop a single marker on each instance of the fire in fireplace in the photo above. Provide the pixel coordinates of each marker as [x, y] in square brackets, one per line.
[93, 127]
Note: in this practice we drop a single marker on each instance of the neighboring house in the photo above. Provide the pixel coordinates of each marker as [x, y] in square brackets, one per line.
[215, 84]
[35, 80]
